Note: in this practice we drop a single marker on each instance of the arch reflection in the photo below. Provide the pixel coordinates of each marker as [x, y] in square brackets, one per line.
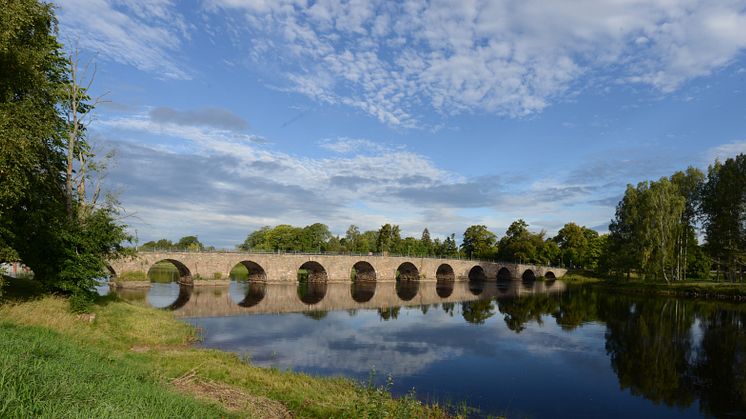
[310, 292]
[362, 291]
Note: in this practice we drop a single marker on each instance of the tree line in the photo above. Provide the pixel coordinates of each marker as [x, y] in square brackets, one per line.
[656, 229]
[574, 245]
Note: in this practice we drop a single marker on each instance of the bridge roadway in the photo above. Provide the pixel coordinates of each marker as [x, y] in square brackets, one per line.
[284, 267]
[258, 298]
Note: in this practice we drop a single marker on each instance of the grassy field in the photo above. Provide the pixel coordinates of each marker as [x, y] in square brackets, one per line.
[124, 360]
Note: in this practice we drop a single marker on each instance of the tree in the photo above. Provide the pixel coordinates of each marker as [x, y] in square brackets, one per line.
[426, 243]
[256, 240]
[315, 237]
[723, 208]
[478, 242]
[63, 234]
[190, 243]
[577, 246]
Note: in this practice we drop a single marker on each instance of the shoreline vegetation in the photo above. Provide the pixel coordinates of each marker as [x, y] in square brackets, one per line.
[131, 360]
[691, 288]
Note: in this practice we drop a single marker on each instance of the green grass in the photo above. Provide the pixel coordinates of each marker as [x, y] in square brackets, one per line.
[133, 276]
[56, 364]
[44, 374]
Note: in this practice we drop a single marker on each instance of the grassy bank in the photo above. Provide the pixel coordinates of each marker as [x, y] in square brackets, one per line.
[131, 361]
[690, 289]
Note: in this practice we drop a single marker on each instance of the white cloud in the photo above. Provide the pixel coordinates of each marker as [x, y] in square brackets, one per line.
[141, 33]
[724, 151]
[219, 184]
[510, 58]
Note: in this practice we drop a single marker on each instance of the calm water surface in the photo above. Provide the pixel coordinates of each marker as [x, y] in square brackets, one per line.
[517, 349]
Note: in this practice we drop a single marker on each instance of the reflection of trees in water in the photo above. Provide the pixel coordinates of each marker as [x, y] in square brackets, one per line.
[316, 314]
[448, 308]
[477, 312]
[519, 311]
[720, 367]
[577, 306]
[389, 313]
[650, 344]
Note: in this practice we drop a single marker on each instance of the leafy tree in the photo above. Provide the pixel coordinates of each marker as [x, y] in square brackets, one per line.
[62, 233]
[315, 237]
[256, 240]
[426, 243]
[478, 242]
[723, 208]
[190, 243]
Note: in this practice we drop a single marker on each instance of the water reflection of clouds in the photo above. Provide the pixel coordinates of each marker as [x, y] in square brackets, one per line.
[336, 343]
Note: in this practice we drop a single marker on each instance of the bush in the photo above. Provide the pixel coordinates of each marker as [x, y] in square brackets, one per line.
[217, 275]
[81, 303]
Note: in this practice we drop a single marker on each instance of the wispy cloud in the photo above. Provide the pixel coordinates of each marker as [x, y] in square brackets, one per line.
[391, 59]
[145, 34]
[724, 151]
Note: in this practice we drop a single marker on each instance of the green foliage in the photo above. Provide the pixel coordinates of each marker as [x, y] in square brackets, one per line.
[653, 232]
[580, 246]
[479, 243]
[81, 303]
[521, 245]
[65, 247]
[723, 209]
[133, 276]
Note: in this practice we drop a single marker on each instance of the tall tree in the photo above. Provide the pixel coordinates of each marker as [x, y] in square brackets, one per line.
[64, 237]
[479, 242]
[426, 242]
[724, 214]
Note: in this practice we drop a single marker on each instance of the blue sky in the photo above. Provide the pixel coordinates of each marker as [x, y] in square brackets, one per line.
[227, 115]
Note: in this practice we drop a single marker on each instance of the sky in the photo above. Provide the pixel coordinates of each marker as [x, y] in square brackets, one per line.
[228, 115]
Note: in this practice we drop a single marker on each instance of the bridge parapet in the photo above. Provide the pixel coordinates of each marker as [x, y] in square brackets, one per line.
[284, 267]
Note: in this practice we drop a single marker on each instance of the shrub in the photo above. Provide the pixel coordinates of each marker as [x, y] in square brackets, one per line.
[217, 275]
[81, 303]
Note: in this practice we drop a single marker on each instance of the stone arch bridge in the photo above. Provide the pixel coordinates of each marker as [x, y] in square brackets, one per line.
[283, 267]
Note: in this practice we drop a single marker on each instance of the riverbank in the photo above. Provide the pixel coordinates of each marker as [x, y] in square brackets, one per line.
[688, 289]
[127, 360]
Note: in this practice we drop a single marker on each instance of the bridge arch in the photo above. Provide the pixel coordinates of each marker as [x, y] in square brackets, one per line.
[476, 273]
[312, 271]
[254, 271]
[363, 271]
[445, 273]
[445, 279]
[528, 275]
[407, 272]
[550, 276]
[363, 291]
[504, 274]
[181, 275]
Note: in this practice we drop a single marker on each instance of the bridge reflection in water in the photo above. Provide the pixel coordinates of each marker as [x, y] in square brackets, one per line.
[257, 297]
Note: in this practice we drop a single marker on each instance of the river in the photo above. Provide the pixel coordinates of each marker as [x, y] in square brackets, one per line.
[539, 350]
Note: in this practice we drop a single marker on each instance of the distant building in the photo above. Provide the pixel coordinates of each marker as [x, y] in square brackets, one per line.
[15, 269]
